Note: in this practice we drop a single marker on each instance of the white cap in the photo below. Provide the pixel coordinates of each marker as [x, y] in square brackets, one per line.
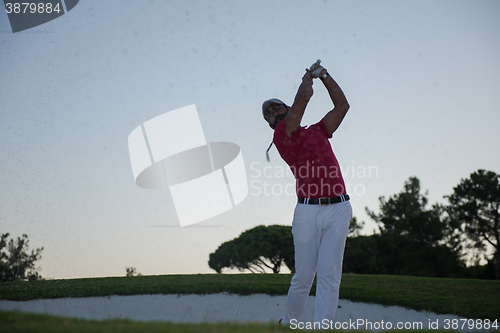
[266, 104]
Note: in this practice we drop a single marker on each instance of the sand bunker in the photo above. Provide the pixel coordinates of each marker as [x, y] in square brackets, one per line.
[227, 308]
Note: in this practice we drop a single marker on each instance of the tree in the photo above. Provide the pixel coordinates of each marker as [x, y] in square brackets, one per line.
[253, 247]
[355, 227]
[394, 254]
[474, 211]
[413, 239]
[17, 264]
[132, 271]
[405, 214]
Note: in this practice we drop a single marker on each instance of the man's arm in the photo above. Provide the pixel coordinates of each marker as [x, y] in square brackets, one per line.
[333, 118]
[304, 94]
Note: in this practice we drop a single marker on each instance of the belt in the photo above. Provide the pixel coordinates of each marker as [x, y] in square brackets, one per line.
[324, 201]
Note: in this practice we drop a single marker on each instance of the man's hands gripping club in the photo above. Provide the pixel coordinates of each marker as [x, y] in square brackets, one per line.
[317, 70]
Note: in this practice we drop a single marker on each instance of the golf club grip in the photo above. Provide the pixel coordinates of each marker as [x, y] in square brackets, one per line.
[316, 65]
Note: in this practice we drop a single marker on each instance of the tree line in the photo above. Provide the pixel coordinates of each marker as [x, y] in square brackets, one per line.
[413, 237]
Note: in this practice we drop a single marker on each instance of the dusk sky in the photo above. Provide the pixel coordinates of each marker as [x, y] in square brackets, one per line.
[422, 79]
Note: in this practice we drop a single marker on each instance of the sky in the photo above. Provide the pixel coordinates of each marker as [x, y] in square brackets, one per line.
[422, 79]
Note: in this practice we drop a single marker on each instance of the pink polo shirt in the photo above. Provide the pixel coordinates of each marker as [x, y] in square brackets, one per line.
[311, 159]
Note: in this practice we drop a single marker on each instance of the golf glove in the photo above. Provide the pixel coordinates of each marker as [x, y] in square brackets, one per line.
[316, 69]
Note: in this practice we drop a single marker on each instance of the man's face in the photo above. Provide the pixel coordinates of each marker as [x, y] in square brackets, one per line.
[274, 114]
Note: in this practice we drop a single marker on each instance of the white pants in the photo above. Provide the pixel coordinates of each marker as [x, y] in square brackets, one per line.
[319, 234]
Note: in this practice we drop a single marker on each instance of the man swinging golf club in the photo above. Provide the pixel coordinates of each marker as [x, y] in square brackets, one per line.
[322, 214]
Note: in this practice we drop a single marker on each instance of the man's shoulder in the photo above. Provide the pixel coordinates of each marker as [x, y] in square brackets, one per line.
[321, 127]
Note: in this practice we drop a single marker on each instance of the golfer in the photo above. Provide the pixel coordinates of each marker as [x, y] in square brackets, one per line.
[323, 211]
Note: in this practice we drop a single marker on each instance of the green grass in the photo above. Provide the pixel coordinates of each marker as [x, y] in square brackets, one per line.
[464, 297]
[242, 284]
[22, 322]
[470, 298]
